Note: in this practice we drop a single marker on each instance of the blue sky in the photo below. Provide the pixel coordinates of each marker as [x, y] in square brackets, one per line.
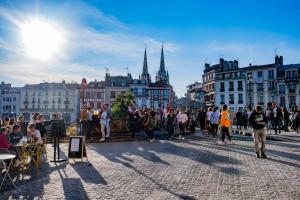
[113, 34]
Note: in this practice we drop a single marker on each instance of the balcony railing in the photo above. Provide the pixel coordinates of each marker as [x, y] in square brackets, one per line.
[240, 102]
[67, 102]
[231, 89]
[281, 91]
[222, 102]
[260, 89]
[294, 79]
[222, 90]
[239, 88]
[26, 102]
[292, 91]
[261, 103]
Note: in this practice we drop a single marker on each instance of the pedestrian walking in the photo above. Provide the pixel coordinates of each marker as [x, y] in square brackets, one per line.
[103, 121]
[170, 123]
[214, 121]
[149, 125]
[286, 117]
[182, 119]
[202, 120]
[225, 125]
[258, 121]
[238, 117]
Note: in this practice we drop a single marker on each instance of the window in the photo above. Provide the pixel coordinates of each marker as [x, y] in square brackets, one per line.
[288, 74]
[292, 100]
[271, 85]
[112, 94]
[260, 87]
[294, 74]
[222, 87]
[281, 89]
[271, 73]
[240, 98]
[261, 100]
[231, 98]
[292, 88]
[240, 85]
[282, 101]
[259, 74]
[231, 87]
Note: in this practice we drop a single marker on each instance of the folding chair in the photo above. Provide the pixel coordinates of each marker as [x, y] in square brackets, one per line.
[33, 151]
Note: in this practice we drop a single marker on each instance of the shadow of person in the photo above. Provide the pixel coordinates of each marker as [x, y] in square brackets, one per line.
[88, 173]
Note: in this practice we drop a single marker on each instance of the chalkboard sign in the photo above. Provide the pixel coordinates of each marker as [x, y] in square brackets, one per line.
[77, 147]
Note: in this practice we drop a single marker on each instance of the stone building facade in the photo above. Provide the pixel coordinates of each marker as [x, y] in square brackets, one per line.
[51, 98]
[10, 98]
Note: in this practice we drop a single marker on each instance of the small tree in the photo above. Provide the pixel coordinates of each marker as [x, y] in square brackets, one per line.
[121, 103]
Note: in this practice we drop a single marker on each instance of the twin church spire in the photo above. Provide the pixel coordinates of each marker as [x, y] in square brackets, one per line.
[161, 76]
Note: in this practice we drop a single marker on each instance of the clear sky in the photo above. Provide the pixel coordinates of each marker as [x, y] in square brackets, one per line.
[110, 33]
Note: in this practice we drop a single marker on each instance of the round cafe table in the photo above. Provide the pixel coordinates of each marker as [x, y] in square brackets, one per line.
[6, 168]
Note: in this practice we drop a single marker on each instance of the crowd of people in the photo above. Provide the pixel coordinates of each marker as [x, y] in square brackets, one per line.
[13, 132]
[87, 121]
[216, 122]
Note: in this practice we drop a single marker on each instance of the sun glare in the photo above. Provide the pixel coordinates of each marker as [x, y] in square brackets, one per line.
[41, 40]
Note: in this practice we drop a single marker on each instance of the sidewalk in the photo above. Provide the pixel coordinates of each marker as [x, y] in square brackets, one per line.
[195, 168]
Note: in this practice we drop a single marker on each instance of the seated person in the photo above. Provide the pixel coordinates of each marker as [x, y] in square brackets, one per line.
[34, 134]
[3, 139]
[16, 135]
[23, 125]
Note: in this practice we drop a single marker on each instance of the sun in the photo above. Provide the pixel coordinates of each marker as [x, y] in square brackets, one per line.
[41, 39]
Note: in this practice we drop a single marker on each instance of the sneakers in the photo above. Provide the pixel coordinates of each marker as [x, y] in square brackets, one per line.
[182, 138]
[102, 140]
[230, 142]
[263, 155]
[257, 155]
[152, 140]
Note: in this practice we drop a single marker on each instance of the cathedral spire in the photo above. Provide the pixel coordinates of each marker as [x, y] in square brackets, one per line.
[162, 61]
[145, 65]
[145, 76]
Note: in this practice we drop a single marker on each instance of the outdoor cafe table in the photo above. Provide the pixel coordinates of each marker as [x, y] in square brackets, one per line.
[4, 157]
[25, 150]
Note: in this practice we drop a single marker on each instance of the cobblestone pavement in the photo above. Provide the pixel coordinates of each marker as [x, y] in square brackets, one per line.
[193, 169]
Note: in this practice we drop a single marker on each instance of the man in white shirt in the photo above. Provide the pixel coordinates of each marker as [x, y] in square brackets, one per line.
[103, 120]
[108, 117]
[181, 119]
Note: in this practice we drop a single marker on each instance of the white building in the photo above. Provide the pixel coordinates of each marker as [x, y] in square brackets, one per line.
[226, 83]
[51, 98]
[9, 100]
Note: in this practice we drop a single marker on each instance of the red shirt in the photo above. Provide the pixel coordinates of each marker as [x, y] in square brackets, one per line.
[3, 142]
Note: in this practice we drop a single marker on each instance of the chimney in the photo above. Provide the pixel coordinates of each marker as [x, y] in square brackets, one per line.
[281, 60]
[221, 60]
[236, 64]
[276, 60]
[206, 65]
